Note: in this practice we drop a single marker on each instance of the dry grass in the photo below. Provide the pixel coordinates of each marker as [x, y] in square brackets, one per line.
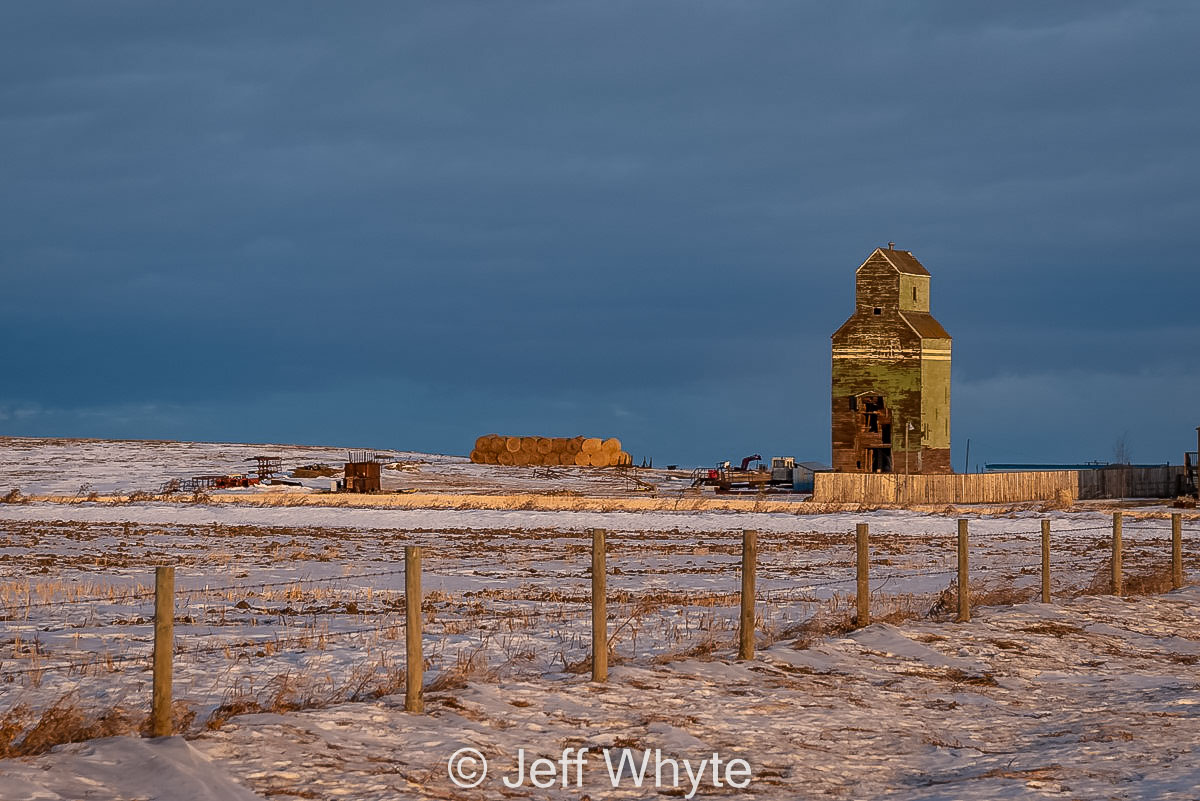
[1152, 581]
[1002, 595]
[998, 593]
[1052, 628]
[467, 666]
[290, 691]
[1101, 580]
[509, 501]
[24, 732]
[838, 616]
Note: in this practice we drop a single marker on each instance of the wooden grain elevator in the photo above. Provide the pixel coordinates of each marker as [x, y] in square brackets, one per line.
[891, 373]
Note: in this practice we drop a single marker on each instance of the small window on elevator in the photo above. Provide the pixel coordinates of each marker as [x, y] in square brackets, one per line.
[878, 310]
[914, 293]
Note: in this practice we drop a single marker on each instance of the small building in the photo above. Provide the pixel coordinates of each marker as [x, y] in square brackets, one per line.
[891, 373]
[362, 473]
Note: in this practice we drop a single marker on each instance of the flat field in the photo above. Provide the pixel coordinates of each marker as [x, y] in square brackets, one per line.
[290, 642]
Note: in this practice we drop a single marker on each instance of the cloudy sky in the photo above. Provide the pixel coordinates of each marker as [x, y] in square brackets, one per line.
[408, 224]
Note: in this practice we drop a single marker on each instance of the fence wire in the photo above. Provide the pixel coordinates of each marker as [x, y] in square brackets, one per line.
[622, 602]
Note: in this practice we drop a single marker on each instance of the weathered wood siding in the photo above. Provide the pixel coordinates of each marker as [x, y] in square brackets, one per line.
[885, 489]
[1125, 481]
[906, 363]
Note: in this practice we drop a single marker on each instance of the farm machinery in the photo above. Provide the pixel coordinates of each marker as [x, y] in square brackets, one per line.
[749, 475]
[752, 475]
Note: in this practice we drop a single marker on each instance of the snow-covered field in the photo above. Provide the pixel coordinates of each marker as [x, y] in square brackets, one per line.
[79, 467]
[290, 646]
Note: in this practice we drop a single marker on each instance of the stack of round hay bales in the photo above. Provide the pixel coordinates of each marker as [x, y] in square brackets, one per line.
[534, 451]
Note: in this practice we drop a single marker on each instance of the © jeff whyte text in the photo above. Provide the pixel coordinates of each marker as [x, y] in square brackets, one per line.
[622, 767]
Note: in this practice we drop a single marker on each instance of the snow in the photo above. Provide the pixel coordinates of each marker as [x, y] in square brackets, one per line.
[80, 466]
[1090, 696]
[164, 769]
[867, 724]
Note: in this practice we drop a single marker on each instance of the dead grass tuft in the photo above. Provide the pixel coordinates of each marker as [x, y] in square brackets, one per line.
[1052, 628]
[467, 666]
[701, 650]
[23, 733]
[1101, 581]
[290, 692]
[1154, 581]
[992, 594]
[834, 618]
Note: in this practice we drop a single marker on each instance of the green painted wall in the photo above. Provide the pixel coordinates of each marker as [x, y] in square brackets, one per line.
[935, 399]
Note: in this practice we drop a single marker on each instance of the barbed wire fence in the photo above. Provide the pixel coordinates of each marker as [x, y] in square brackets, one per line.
[743, 607]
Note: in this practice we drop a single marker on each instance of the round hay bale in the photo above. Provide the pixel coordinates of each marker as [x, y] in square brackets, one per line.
[544, 445]
[581, 459]
[591, 445]
[505, 458]
[512, 444]
[478, 457]
[611, 445]
[492, 457]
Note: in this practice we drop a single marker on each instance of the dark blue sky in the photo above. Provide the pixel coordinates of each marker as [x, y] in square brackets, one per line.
[407, 224]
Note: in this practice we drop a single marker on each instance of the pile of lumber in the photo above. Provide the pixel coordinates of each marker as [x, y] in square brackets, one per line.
[580, 451]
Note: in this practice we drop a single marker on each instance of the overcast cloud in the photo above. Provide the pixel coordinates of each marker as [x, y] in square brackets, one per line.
[405, 225]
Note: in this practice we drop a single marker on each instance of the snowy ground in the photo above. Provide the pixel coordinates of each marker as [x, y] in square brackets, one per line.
[1092, 699]
[286, 608]
[79, 467]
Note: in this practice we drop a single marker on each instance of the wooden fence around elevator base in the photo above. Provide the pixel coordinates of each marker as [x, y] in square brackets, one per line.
[899, 489]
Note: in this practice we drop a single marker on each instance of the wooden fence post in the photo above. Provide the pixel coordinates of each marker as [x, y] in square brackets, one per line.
[599, 607]
[1045, 561]
[964, 590]
[862, 561]
[1117, 585]
[414, 656]
[1176, 551]
[164, 643]
[746, 626]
